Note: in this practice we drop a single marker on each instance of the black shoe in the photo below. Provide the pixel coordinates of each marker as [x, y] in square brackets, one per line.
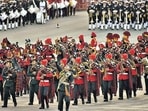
[41, 108]
[74, 104]
[145, 93]
[15, 104]
[88, 102]
[4, 106]
[105, 100]
[120, 98]
[30, 103]
[83, 102]
[47, 106]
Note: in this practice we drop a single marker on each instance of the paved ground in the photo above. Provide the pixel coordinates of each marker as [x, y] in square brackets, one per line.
[72, 26]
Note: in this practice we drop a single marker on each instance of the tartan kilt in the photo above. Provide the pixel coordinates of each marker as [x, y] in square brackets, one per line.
[19, 81]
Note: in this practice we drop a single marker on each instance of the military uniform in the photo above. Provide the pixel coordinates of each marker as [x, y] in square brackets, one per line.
[78, 83]
[9, 77]
[34, 83]
[108, 78]
[92, 15]
[44, 77]
[123, 77]
[65, 78]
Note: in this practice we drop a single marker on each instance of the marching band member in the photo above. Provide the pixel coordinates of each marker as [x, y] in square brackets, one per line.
[132, 13]
[34, 84]
[44, 77]
[145, 63]
[4, 18]
[98, 13]
[104, 15]
[11, 17]
[43, 9]
[121, 13]
[115, 15]
[92, 15]
[127, 16]
[108, 77]
[139, 14]
[93, 42]
[123, 77]
[65, 78]
[78, 82]
[92, 80]
[125, 38]
[9, 76]
[133, 72]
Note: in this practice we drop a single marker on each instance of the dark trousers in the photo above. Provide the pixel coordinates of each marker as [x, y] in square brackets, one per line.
[78, 91]
[7, 91]
[123, 84]
[43, 93]
[93, 18]
[107, 89]
[134, 84]
[61, 97]
[33, 89]
[1, 89]
[146, 82]
[92, 89]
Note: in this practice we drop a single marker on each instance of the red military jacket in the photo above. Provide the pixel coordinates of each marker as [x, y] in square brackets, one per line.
[79, 80]
[108, 76]
[92, 76]
[93, 42]
[45, 81]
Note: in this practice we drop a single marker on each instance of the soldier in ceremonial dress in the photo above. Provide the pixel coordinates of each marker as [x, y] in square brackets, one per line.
[65, 78]
[9, 77]
[123, 69]
[92, 79]
[92, 15]
[44, 77]
[78, 82]
[108, 77]
[34, 83]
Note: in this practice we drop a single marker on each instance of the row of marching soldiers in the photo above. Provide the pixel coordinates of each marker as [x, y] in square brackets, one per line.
[118, 14]
[20, 13]
[69, 70]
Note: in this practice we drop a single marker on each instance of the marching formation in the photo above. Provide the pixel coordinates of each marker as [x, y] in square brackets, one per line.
[116, 14]
[20, 13]
[69, 70]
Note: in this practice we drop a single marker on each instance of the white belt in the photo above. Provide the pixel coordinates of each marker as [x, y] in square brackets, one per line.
[133, 68]
[93, 74]
[44, 80]
[109, 73]
[124, 73]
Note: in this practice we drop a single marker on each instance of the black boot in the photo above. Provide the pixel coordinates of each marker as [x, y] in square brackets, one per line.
[67, 106]
[75, 101]
[95, 97]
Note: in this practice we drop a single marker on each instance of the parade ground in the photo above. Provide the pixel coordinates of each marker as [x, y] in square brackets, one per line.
[72, 26]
